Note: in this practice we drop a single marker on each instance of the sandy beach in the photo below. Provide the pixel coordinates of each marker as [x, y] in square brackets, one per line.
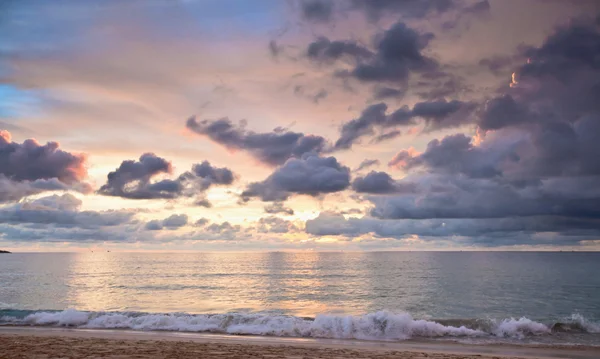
[21, 342]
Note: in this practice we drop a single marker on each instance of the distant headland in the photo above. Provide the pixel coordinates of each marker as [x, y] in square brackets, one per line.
[1, 251]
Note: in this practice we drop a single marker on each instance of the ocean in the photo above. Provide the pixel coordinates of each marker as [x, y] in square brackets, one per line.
[474, 297]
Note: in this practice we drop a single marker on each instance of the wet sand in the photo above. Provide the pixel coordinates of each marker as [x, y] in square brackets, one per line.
[41, 343]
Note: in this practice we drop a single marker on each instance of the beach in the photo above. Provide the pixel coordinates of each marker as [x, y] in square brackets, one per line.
[24, 342]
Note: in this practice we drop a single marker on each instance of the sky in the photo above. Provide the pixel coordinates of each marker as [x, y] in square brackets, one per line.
[309, 125]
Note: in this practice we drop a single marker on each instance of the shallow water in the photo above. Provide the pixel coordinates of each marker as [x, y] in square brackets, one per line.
[516, 296]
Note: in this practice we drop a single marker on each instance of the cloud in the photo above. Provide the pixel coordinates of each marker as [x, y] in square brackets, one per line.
[435, 115]
[324, 50]
[386, 136]
[51, 234]
[366, 163]
[278, 207]
[275, 225]
[351, 131]
[225, 229]
[487, 232]
[13, 191]
[315, 97]
[375, 9]
[317, 10]
[530, 177]
[381, 182]
[212, 175]
[133, 180]
[272, 148]
[311, 175]
[29, 168]
[479, 7]
[398, 53]
[139, 174]
[497, 64]
[62, 211]
[172, 222]
[456, 196]
[456, 154]
[384, 92]
[275, 49]
[201, 222]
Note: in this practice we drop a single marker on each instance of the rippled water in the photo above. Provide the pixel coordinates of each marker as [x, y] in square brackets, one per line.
[479, 290]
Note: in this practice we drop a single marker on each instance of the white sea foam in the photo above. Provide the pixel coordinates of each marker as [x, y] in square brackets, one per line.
[588, 326]
[380, 325]
[69, 317]
[373, 326]
[519, 328]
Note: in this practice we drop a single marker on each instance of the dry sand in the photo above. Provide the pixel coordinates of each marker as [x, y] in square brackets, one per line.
[42, 343]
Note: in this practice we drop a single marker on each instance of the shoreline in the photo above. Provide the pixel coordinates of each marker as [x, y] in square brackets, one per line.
[88, 339]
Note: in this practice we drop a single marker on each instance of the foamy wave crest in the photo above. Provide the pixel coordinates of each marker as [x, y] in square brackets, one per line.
[374, 326]
[576, 323]
[519, 328]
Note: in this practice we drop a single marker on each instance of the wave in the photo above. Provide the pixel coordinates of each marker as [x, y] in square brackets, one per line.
[381, 325]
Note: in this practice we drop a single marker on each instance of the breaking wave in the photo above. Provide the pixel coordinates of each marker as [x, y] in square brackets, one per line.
[381, 325]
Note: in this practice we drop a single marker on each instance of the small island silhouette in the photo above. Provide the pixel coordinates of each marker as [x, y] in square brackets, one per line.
[1, 251]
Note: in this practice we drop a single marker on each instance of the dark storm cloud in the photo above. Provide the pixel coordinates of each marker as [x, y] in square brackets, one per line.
[384, 92]
[325, 51]
[386, 136]
[317, 10]
[140, 172]
[439, 114]
[30, 167]
[366, 164]
[351, 131]
[278, 207]
[435, 114]
[510, 174]
[489, 232]
[172, 222]
[573, 47]
[213, 175]
[311, 175]
[31, 161]
[398, 53]
[533, 174]
[380, 183]
[504, 111]
[456, 154]
[133, 180]
[497, 64]
[455, 196]
[61, 211]
[273, 148]
[441, 86]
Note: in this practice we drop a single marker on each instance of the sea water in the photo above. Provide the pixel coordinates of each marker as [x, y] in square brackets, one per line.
[480, 297]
